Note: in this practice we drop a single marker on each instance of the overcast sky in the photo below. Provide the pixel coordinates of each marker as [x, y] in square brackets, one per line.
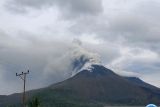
[46, 36]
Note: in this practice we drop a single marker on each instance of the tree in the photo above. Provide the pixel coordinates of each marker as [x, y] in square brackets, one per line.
[11, 106]
[34, 103]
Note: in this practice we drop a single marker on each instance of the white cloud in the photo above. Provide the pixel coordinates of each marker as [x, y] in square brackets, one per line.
[135, 61]
[38, 34]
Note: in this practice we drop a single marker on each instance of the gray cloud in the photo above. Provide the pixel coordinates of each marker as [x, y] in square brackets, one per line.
[69, 8]
[125, 34]
[49, 62]
[75, 59]
[136, 27]
[136, 61]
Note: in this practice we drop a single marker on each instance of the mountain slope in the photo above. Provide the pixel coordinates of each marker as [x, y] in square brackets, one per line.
[96, 87]
[141, 83]
[102, 85]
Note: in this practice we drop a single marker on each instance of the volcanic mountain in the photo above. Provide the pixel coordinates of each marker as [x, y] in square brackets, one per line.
[94, 87]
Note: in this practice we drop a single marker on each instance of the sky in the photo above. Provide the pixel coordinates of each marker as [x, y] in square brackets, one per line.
[47, 36]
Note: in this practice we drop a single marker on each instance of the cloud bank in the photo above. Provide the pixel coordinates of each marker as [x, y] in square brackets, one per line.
[39, 34]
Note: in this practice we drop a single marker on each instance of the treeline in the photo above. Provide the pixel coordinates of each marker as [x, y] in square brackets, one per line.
[35, 102]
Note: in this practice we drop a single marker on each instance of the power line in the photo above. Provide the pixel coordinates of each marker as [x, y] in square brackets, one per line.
[23, 77]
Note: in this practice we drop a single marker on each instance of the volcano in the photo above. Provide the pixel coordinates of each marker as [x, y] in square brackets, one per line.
[95, 87]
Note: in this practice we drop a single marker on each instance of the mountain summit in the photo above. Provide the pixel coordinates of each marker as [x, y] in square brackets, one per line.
[96, 87]
[100, 84]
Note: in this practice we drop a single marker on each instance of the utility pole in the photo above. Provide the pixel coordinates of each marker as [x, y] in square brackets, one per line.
[23, 77]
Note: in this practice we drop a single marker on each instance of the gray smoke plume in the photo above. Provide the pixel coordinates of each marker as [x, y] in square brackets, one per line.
[72, 62]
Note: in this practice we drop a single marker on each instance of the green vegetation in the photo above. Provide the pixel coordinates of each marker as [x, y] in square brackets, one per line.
[11, 106]
[34, 103]
[62, 98]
